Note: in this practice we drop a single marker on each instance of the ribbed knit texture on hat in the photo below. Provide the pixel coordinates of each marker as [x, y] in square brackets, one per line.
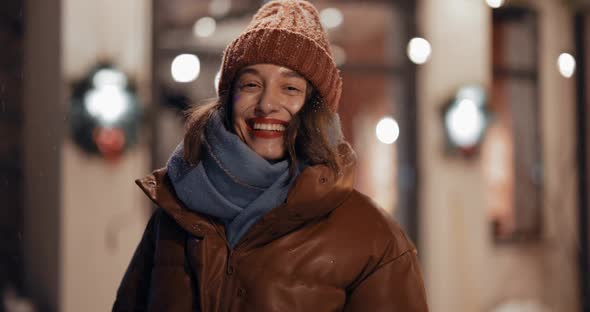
[286, 33]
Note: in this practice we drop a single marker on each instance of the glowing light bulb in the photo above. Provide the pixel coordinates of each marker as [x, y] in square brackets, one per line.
[109, 77]
[465, 123]
[185, 68]
[107, 103]
[494, 4]
[419, 50]
[331, 17]
[567, 65]
[204, 27]
[387, 130]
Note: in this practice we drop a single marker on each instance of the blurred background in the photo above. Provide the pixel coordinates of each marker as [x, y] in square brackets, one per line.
[469, 118]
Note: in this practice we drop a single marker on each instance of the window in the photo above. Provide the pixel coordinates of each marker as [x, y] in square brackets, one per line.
[512, 149]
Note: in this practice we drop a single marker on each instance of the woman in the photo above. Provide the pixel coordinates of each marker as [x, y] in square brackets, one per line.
[256, 207]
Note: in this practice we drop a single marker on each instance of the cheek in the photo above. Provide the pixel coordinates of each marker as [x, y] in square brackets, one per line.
[295, 106]
[238, 121]
[240, 106]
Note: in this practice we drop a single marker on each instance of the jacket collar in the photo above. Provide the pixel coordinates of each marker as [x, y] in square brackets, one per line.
[315, 193]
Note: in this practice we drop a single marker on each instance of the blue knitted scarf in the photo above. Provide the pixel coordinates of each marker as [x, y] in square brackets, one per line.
[231, 182]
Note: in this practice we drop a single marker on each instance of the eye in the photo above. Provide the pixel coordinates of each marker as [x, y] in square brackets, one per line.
[248, 86]
[293, 89]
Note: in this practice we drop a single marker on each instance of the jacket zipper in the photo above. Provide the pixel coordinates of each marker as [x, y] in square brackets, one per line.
[227, 297]
[228, 286]
[230, 290]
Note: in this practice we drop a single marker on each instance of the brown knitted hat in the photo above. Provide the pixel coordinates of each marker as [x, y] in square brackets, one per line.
[286, 33]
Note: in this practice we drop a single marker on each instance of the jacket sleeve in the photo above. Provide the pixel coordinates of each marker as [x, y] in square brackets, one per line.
[133, 291]
[395, 286]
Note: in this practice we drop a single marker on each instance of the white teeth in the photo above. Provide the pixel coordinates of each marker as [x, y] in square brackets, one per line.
[269, 127]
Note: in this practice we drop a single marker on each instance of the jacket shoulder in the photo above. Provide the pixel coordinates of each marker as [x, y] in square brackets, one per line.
[377, 225]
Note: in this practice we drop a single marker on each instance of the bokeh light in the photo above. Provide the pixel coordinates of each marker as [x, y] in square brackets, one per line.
[419, 50]
[566, 64]
[495, 3]
[465, 123]
[185, 68]
[204, 27]
[387, 130]
[331, 18]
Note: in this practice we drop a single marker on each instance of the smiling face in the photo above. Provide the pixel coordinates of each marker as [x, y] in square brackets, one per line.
[266, 98]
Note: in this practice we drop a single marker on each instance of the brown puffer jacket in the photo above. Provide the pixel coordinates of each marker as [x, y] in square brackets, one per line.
[328, 248]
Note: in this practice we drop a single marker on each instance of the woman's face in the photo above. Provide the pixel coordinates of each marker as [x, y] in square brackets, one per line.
[266, 98]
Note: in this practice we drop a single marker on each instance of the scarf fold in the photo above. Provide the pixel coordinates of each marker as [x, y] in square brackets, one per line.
[231, 182]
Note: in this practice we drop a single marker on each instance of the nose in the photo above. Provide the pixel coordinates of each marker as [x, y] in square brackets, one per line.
[268, 103]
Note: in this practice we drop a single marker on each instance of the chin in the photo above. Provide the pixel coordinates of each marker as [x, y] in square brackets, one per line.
[272, 157]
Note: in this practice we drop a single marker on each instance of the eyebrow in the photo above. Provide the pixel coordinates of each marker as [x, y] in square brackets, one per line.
[248, 71]
[291, 73]
[285, 73]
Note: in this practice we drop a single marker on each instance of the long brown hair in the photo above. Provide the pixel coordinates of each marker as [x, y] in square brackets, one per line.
[312, 135]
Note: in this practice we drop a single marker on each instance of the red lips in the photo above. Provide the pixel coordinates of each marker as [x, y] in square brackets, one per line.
[265, 134]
